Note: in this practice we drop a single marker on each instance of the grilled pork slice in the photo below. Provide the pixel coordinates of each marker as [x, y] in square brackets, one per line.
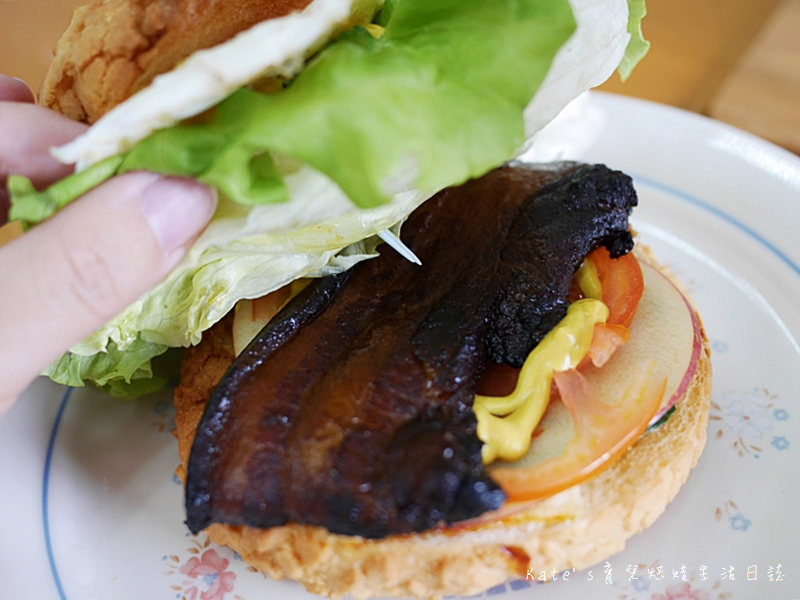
[352, 409]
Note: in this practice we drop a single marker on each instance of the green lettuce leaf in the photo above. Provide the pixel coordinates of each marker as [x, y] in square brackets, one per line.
[30, 206]
[403, 111]
[637, 46]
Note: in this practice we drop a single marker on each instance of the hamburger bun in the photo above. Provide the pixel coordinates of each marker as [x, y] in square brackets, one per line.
[575, 528]
[114, 48]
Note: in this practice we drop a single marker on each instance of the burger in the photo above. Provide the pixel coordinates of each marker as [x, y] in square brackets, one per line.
[416, 365]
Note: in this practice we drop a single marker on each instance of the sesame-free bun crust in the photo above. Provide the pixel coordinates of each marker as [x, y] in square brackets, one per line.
[114, 48]
[578, 527]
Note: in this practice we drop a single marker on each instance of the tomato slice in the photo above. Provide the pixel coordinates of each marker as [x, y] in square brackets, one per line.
[605, 341]
[602, 433]
[622, 282]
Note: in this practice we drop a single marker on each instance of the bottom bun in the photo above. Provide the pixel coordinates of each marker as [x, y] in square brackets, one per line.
[575, 528]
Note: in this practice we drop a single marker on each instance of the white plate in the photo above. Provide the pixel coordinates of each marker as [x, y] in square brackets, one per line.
[90, 506]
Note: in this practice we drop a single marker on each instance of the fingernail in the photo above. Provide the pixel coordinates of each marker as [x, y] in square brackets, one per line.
[12, 78]
[177, 210]
[14, 89]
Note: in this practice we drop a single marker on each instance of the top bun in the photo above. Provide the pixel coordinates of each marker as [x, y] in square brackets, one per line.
[114, 48]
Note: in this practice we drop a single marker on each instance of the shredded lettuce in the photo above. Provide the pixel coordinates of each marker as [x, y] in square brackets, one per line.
[309, 175]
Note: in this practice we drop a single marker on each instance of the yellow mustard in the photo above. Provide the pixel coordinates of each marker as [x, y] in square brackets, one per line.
[588, 280]
[506, 424]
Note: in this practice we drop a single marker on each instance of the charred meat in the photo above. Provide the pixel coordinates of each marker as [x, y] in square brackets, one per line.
[351, 410]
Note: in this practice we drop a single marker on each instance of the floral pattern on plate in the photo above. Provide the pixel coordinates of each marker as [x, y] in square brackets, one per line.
[751, 419]
[733, 516]
[203, 575]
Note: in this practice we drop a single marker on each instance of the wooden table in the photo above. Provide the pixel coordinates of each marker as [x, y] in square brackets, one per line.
[734, 60]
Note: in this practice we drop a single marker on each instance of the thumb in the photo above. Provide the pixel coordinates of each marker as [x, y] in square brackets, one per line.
[71, 274]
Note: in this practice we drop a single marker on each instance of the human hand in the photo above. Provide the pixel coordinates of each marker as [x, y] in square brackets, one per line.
[69, 275]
